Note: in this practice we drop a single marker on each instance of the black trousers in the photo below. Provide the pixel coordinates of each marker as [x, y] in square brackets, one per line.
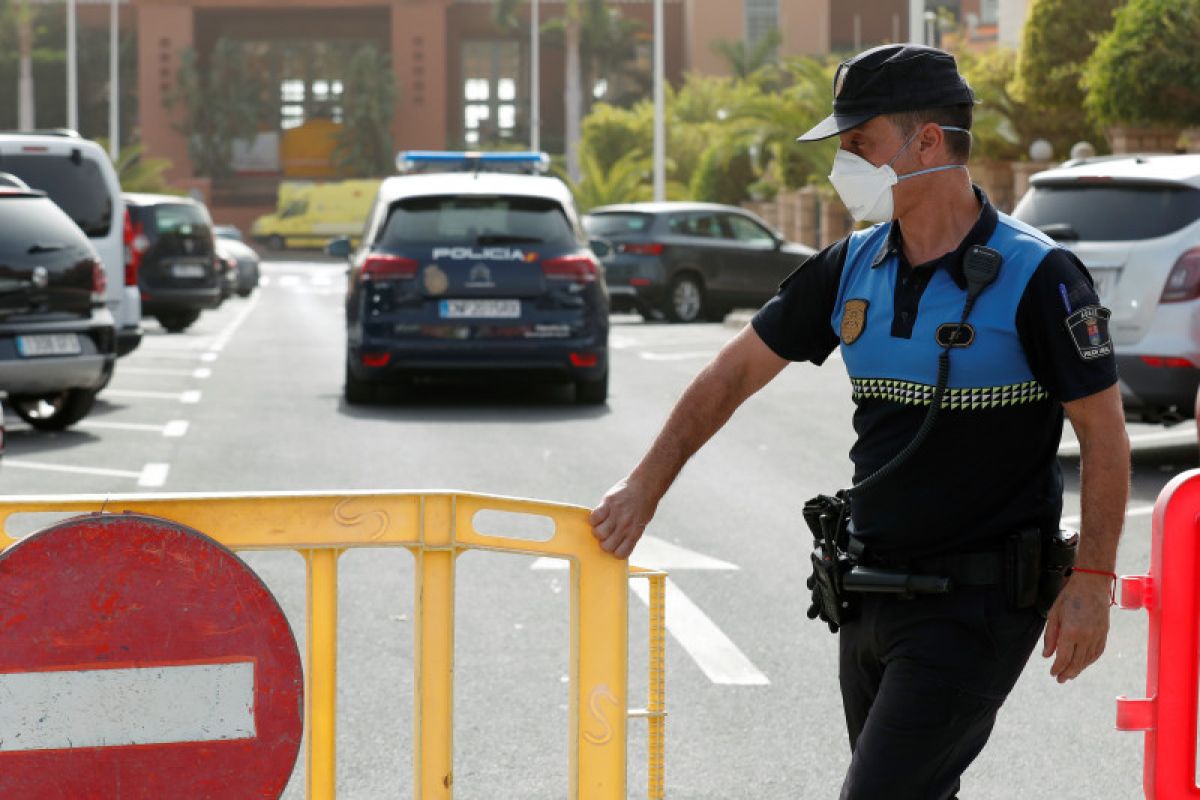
[922, 681]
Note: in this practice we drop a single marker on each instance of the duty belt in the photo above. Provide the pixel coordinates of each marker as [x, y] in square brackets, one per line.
[983, 568]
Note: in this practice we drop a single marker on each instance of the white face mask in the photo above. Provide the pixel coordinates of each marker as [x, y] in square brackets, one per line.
[867, 189]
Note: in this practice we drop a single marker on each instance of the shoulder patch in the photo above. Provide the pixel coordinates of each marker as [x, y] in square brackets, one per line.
[854, 320]
[1088, 328]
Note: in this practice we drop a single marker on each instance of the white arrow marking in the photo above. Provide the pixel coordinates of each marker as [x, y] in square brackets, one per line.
[716, 655]
[122, 707]
[654, 553]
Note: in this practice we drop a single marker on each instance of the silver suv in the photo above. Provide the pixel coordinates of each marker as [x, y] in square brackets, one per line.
[1134, 221]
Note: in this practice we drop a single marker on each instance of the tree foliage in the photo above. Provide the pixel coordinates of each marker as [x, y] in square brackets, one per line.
[1147, 69]
[1059, 37]
[1003, 125]
[364, 143]
[219, 101]
[137, 172]
[746, 59]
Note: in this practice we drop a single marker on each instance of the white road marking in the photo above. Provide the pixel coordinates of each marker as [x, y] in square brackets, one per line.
[154, 475]
[175, 428]
[319, 279]
[10, 463]
[161, 354]
[209, 357]
[201, 373]
[289, 280]
[264, 280]
[654, 553]
[156, 372]
[191, 396]
[102, 425]
[230, 329]
[684, 356]
[714, 653]
[60, 709]
[1174, 437]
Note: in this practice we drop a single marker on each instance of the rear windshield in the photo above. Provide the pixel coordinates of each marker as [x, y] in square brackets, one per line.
[1099, 212]
[477, 220]
[182, 219]
[617, 224]
[33, 223]
[77, 187]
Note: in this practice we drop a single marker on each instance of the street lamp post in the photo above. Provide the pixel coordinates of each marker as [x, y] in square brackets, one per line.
[72, 72]
[660, 137]
[114, 83]
[535, 79]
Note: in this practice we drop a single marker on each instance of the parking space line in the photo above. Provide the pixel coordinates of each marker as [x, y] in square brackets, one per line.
[173, 429]
[163, 354]
[201, 373]
[230, 329]
[157, 372]
[190, 396]
[10, 463]
[264, 280]
[153, 475]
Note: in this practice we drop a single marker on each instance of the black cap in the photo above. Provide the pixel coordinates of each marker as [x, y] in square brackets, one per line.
[890, 79]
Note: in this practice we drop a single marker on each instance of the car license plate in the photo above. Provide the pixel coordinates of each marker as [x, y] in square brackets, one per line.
[49, 344]
[187, 270]
[471, 309]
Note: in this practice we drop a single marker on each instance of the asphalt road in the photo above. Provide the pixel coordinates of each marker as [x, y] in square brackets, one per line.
[250, 399]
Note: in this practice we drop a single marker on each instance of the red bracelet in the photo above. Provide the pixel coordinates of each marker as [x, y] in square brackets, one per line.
[1112, 592]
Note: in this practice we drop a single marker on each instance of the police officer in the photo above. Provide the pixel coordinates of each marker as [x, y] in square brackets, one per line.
[923, 677]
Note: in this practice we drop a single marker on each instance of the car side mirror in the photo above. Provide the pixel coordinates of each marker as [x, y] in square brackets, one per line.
[338, 248]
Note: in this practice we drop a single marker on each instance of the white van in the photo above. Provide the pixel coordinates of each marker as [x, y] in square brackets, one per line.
[79, 177]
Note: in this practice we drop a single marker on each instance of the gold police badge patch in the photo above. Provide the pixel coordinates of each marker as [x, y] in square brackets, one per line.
[854, 320]
[436, 281]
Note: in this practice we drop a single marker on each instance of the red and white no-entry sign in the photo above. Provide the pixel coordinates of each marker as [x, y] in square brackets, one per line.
[141, 659]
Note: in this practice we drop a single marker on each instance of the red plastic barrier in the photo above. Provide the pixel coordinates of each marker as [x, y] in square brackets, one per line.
[1171, 595]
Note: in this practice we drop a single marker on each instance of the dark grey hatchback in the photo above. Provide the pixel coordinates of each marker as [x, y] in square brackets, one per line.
[690, 261]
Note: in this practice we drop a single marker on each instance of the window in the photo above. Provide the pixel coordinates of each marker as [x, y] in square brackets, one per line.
[491, 76]
[453, 220]
[616, 224]
[296, 208]
[704, 225]
[747, 231]
[761, 17]
[76, 185]
[299, 101]
[989, 12]
[1109, 212]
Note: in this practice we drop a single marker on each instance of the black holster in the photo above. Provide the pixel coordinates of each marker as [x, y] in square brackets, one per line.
[829, 518]
[1036, 567]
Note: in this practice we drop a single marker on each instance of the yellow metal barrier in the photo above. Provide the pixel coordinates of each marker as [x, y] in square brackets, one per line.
[436, 527]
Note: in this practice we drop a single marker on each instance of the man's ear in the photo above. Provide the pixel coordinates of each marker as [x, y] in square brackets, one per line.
[930, 141]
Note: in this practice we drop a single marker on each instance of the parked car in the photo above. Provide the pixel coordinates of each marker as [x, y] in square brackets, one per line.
[171, 250]
[79, 177]
[57, 338]
[691, 261]
[474, 272]
[1134, 221]
[228, 232]
[242, 258]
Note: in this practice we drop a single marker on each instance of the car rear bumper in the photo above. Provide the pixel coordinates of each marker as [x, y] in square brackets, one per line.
[156, 300]
[50, 374]
[643, 299]
[128, 340]
[568, 360]
[1157, 394]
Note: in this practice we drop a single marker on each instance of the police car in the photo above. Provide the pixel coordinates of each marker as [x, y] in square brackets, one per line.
[473, 264]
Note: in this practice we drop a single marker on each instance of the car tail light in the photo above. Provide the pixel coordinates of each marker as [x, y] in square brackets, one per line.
[383, 266]
[584, 359]
[640, 281]
[136, 245]
[578, 268]
[1184, 281]
[99, 282]
[1168, 362]
[376, 359]
[641, 248]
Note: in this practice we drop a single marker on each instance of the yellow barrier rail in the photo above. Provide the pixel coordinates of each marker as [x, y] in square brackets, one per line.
[436, 527]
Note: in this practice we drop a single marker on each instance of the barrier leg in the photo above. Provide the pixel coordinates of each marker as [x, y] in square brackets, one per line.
[433, 703]
[656, 700]
[599, 679]
[320, 718]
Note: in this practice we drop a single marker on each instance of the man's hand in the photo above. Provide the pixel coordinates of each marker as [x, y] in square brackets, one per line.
[622, 516]
[1077, 626]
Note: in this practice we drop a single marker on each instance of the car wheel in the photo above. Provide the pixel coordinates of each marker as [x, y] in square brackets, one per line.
[359, 392]
[55, 412]
[275, 243]
[177, 321]
[685, 299]
[593, 392]
[244, 292]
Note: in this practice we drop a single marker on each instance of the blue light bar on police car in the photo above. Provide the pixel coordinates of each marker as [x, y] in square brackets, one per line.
[467, 160]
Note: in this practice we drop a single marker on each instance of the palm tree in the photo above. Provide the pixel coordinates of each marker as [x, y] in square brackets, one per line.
[744, 60]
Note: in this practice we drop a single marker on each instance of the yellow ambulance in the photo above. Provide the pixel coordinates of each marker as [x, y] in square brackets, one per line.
[309, 214]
